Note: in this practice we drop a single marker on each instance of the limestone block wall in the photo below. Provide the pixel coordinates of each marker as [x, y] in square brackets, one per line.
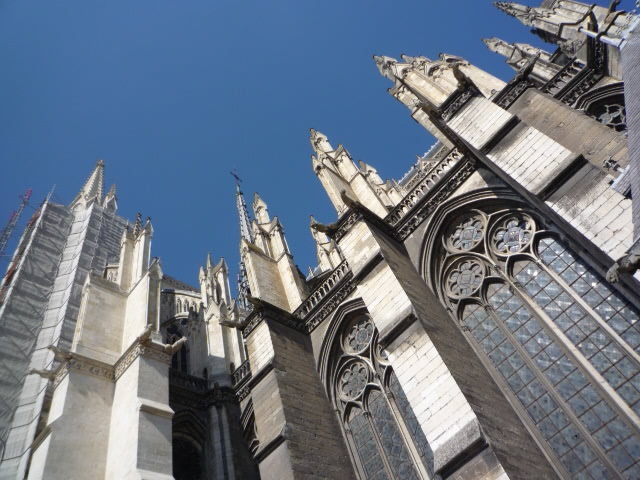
[85, 407]
[296, 426]
[529, 158]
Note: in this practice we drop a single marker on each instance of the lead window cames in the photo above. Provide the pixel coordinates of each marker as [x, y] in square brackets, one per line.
[558, 337]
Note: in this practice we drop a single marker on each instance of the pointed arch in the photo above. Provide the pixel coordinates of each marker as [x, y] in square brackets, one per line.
[545, 323]
[380, 428]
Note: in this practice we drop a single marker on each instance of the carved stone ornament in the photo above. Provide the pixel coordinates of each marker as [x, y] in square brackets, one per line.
[359, 335]
[468, 233]
[464, 278]
[454, 178]
[352, 380]
[512, 234]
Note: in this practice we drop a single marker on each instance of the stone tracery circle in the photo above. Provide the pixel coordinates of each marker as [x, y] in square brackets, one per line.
[464, 278]
[512, 234]
[467, 233]
[352, 380]
[359, 335]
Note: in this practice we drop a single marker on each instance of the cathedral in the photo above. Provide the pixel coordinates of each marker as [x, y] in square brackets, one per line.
[478, 318]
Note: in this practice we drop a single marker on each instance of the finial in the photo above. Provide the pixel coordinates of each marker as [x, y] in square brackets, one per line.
[523, 13]
[385, 66]
[319, 142]
[137, 226]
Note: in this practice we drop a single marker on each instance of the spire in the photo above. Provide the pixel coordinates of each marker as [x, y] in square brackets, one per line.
[529, 16]
[93, 187]
[521, 12]
[243, 214]
[319, 142]
[386, 66]
[245, 234]
[499, 46]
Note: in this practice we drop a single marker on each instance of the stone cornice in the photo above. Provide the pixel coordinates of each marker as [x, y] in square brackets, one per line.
[457, 100]
[429, 181]
[429, 201]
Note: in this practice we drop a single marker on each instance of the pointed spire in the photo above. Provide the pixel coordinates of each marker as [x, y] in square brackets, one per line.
[526, 15]
[514, 9]
[497, 45]
[319, 142]
[93, 187]
[137, 226]
[260, 211]
[112, 191]
[386, 66]
[245, 235]
[111, 199]
[243, 214]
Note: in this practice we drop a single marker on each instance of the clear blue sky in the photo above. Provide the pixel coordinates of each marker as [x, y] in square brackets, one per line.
[175, 94]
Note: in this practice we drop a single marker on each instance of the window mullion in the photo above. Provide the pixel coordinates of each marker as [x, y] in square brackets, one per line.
[551, 390]
[376, 436]
[572, 351]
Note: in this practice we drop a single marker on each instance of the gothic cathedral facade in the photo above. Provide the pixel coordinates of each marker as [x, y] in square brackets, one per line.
[477, 319]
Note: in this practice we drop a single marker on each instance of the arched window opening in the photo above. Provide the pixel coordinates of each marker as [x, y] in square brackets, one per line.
[187, 459]
[178, 306]
[385, 439]
[559, 339]
[606, 104]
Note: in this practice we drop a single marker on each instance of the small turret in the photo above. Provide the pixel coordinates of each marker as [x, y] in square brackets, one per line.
[111, 200]
[337, 173]
[260, 211]
[267, 269]
[518, 55]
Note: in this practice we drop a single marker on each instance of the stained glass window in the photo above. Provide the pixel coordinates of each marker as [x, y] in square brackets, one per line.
[561, 339]
[386, 438]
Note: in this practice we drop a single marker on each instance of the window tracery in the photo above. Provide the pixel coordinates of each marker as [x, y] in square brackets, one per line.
[385, 437]
[564, 343]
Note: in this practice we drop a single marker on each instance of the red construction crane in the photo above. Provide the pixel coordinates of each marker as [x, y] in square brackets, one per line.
[13, 220]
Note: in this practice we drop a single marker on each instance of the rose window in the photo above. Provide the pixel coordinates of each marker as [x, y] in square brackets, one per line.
[359, 335]
[353, 380]
[513, 235]
[465, 278]
[467, 234]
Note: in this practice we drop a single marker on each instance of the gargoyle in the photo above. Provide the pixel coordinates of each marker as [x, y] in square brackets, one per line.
[172, 348]
[233, 323]
[46, 374]
[146, 333]
[627, 264]
[321, 227]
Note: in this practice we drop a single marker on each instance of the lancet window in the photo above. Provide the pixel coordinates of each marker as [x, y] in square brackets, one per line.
[383, 434]
[561, 341]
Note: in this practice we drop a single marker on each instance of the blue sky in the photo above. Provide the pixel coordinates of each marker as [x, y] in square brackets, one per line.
[175, 94]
